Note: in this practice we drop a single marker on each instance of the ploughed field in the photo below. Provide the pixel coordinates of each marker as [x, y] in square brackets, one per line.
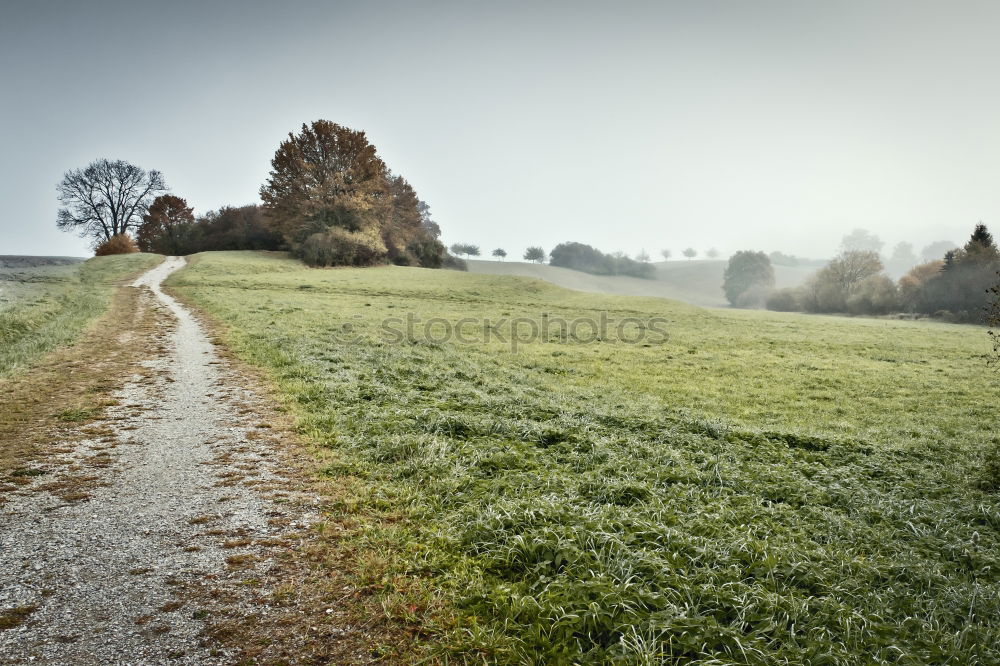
[749, 487]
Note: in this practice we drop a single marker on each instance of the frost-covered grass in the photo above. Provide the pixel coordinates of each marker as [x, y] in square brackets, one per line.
[760, 488]
[46, 306]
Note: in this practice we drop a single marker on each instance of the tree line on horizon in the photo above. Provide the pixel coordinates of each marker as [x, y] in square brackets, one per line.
[956, 287]
[576, 256]
[329, 199]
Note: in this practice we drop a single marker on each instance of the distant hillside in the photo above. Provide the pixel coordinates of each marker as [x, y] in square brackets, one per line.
[695, 282]
[26, 261]
[24, 276]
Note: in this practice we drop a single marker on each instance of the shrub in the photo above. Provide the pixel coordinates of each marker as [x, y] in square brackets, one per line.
[829, 289]
[874, 295]
[911, 285]
[340, 247]
[784, 300]
[427, 252]
[117, 244]
[235, 228]
[820, 294]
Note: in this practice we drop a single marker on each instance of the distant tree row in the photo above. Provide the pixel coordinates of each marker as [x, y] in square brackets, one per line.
[956, 287]
[467, 250]
[689, 253]
[642, 256]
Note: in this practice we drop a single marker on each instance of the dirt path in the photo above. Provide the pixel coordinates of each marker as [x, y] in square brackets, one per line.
[184, 495]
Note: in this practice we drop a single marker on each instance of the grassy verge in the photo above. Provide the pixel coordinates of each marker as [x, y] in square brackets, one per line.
[47, 410]
[60, 306]
[758, 488]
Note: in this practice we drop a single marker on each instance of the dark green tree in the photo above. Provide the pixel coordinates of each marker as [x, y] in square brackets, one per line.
[534, 253]
[466, 249]
[962, 288]
[748, 279]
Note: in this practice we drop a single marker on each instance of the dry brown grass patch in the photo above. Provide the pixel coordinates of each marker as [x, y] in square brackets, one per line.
[59, 402]
[15, 617]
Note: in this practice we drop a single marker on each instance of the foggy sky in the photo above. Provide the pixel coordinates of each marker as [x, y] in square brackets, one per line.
[627, 125]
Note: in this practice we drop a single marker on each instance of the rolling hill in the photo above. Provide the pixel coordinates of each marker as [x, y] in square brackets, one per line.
[695, 282]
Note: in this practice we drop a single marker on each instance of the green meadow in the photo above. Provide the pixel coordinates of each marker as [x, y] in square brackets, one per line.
[747, 488]
[45, 306]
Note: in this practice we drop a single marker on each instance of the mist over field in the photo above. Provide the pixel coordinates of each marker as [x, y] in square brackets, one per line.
[645, 125]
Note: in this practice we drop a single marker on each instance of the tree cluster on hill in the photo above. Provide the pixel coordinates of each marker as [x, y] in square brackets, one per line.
[581, 257]
[329, 199]
[335, 202]
[956, 287]
[170, 227]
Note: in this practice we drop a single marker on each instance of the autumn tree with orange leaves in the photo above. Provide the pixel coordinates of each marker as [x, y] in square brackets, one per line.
[336, 203]
[166, 226]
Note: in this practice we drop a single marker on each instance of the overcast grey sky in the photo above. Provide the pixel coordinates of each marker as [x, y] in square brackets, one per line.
[627, 125]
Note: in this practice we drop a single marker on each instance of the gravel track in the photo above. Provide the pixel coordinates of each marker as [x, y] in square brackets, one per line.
[101, 579]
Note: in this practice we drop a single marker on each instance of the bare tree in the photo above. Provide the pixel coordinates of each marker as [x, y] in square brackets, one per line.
[106, 199]
[849, 269]
[666, 254]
